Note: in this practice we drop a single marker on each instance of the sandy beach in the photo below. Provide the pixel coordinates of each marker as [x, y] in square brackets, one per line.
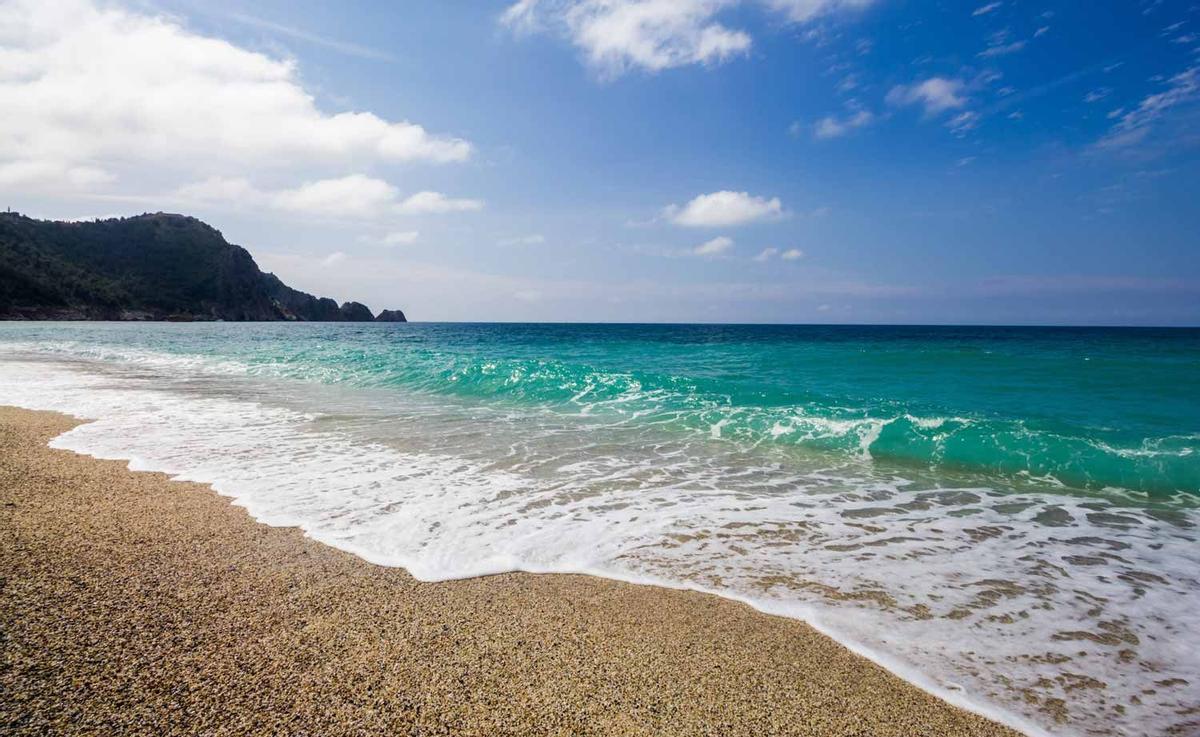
[137, 605]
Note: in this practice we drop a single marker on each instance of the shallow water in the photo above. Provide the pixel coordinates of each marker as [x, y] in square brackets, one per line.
[1007, 516]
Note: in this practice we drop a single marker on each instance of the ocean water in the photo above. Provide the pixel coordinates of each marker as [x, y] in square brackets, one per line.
[1005, 516]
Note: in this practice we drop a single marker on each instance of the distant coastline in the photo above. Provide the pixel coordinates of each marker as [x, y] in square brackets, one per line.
[152, 267]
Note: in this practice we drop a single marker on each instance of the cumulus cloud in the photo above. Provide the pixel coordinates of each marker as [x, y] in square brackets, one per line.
[792, 254]
[618, 35]
[92, 92]
[723, 209]
[355, 195]
[936, 94]
[766, 254]
[714, 247]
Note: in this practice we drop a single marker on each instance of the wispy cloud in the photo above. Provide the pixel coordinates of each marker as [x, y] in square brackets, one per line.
[1133, 127]
[832, 126]
[985, 9]
[400, 238]
[301, 34]
[1079, 283]
[531, 239]
[1002, 49]
[965, 121]
[1000, 45]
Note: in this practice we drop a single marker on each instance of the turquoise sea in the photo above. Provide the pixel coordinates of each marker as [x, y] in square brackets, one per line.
[1006, 516]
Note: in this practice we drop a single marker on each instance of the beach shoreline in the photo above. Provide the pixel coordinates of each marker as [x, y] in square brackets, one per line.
[134, 603]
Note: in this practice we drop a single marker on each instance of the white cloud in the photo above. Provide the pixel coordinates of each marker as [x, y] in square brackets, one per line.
[725, 208]
[95, 93]
[802, 11]
[532, 239]
[333, 259]
[221, 189]
[999, 45]
[400, 238]
[965, 121]
[834, 127]
[1135, 125]
[522, 16]
[355, 196]
[34, 173]
[791, 254]
[1041, 31]
[985, 9]
[301, 34]
[936, 94]
[618, 35]
[1002, 49]
[436, 203]
[714, 247]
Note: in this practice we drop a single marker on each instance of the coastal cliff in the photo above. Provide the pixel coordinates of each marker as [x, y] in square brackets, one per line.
[148, 267]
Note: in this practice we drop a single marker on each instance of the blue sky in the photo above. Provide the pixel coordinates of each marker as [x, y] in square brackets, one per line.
[640, 160]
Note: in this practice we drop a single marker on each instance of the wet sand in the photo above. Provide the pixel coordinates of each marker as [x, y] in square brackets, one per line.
[131, 604]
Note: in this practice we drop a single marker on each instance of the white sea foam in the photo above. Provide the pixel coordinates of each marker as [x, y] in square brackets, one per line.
[1005, 602]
